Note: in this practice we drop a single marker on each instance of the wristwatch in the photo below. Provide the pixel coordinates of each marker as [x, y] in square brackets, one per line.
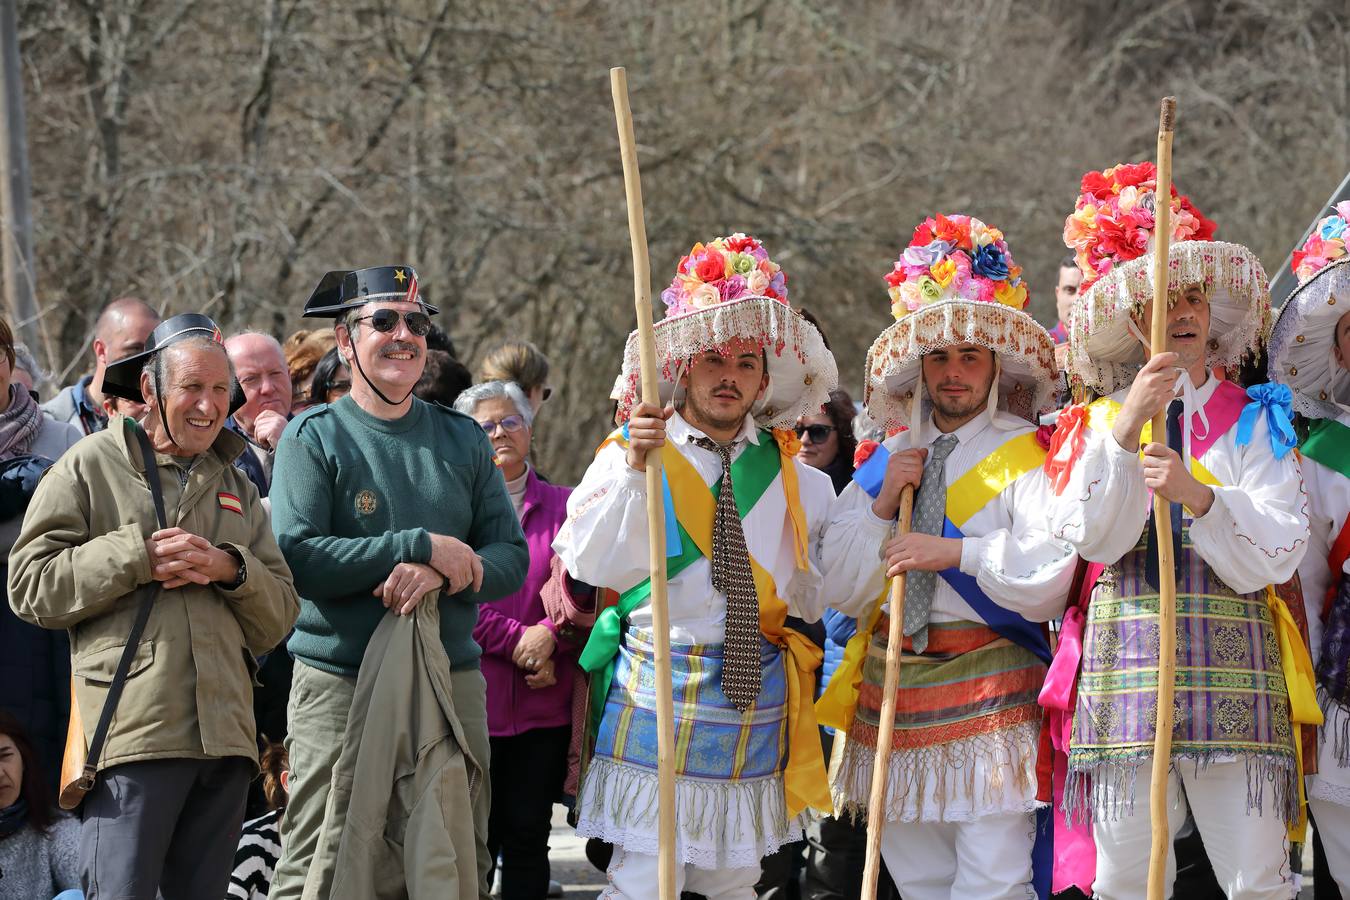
[240, 574]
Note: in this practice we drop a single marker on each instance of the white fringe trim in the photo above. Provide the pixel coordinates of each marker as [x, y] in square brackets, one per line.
[1332, 781]
[802, 371]
[720, 824]
[1300, 350]
[1105, 356]
[960, 781]
[1029, 377]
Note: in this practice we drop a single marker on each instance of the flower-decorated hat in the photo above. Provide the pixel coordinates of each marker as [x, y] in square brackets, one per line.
[1111, 234]
[1302, 343]
[727, 289]
[957, 283]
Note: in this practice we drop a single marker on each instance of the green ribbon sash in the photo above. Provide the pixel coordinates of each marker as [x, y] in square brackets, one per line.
[1329, 444]
[751, 474]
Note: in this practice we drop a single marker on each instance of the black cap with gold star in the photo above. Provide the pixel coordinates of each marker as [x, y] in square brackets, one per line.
[344, 289]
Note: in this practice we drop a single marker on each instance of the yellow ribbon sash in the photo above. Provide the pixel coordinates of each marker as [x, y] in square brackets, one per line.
[804, 780]
[965, 497]
[1297, 667]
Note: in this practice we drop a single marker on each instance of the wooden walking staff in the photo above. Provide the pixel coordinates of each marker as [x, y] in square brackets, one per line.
[895, 638]
[1162, 521]
[656, 519]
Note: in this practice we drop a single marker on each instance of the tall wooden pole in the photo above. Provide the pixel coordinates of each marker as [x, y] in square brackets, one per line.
[895, 638]
[656, 519]
[1162, 521]
[16, 192]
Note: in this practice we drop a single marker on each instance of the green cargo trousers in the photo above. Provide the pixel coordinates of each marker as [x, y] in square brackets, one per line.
[317, 715]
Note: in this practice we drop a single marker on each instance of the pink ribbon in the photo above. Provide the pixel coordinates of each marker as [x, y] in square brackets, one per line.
[1075, 850]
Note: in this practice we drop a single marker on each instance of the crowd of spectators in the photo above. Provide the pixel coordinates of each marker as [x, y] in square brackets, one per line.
[218, 785]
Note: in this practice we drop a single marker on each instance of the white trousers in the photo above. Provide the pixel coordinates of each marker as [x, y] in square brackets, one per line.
[634, 876]
[1333, 827]
[987, 859]
[1249, 852]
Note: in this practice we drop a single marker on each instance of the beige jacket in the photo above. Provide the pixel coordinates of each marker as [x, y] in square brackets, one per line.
[79, 559]
[398, 822]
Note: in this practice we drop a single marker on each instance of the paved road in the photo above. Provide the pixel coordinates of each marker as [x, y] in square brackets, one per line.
[567, 859]
[582, 881]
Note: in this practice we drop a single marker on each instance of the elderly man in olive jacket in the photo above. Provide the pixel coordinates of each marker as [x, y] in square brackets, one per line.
[167, 806]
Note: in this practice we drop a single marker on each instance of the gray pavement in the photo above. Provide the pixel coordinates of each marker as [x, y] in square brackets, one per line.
[580, 879]
[567, 860]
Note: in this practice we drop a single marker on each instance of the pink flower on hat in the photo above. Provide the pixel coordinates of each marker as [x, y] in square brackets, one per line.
[1325, 245]
[722, 271]
[954, 258]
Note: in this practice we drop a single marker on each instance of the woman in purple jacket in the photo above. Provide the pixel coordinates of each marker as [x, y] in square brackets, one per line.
[529, 674]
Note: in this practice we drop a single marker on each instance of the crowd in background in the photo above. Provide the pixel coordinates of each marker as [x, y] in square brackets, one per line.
[530, 639]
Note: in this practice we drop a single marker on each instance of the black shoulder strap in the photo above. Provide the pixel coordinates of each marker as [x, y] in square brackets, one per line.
[151, 474]
[148, 592]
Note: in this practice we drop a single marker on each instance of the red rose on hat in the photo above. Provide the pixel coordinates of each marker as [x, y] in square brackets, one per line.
[710, 266]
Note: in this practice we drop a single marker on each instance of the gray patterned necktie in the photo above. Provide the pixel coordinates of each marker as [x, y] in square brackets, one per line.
[732, 576]
[930, 508]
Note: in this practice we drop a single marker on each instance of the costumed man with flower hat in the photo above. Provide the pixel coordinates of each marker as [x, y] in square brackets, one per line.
[1239, 524]
[744, 520]
[1310, 352]
[967, 372]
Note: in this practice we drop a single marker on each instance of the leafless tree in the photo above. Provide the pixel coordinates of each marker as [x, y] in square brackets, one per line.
[221, 156]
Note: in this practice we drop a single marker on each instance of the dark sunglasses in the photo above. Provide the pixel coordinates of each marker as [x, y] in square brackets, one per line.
[819, 433]
[509, 424]
[386, 320]
[339, 387]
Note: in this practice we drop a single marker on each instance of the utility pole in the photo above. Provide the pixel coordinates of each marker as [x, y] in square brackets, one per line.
[16, 191]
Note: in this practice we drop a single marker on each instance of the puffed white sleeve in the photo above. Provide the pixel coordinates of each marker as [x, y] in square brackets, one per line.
[1102, 511]
[604, 540]
[1256, 531]
[1023, 568]
[851, 552]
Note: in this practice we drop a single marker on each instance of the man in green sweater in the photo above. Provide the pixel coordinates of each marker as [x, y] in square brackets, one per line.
[378, 499]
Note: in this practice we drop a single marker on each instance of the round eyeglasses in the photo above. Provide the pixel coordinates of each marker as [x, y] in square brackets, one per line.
[509, 424]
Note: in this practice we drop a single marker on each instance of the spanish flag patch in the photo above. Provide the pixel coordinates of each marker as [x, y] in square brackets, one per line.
[230, 502]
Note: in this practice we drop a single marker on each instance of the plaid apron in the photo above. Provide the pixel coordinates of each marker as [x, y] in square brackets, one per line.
[1230, 703]
[730, 805]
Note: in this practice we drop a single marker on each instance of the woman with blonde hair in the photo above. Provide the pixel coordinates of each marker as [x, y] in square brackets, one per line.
[523, 363]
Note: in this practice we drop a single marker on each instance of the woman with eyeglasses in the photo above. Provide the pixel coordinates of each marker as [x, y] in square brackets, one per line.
[827, 439]
[529, 671]
[303, 351]
[332, 379]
